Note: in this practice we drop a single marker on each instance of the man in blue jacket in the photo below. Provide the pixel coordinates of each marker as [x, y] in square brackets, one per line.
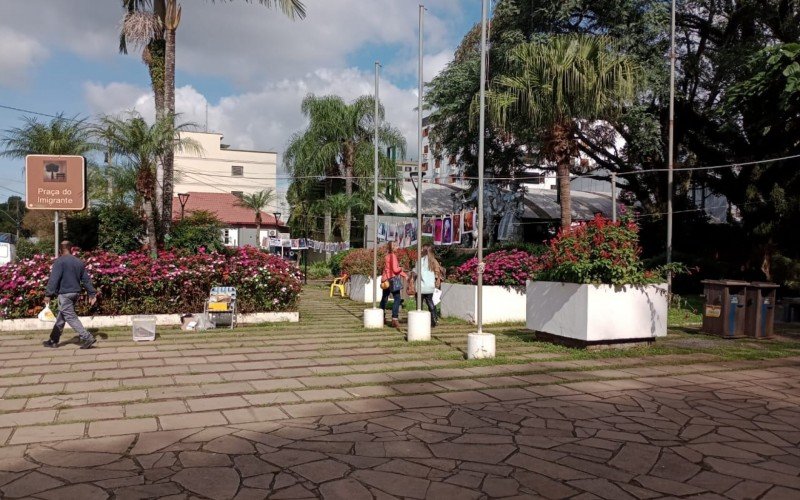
[66, 278]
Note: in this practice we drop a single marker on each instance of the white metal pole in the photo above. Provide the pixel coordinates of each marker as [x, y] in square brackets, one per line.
[613, 197]
[481, 127]
[375, 196]
[670, 153]
[419, 167]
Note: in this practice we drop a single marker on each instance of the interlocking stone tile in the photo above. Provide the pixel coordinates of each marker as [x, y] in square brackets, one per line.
[214, 482]
[150, 442]
[420, 401]
[82, 491]
[394, 484]
[253, 414]
[322, 471]
[218, 403]
[29, 484]
[667, 486]
[191, 420]
[231, 445]
[203, 459]
[38, 434]
[311, 409]
[123, 426]
[344, 489]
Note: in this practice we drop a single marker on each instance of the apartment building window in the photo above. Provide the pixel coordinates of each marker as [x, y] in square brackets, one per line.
[425, 150]
[237, 171]
[425, 132]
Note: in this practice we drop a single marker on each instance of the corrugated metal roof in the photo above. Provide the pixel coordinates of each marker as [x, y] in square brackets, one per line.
[540, 204]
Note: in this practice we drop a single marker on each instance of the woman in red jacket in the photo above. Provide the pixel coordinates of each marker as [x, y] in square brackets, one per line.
[391, 269]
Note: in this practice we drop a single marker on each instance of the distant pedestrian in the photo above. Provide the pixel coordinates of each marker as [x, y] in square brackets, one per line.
[66, 278]
[392, 272]
[431, 279]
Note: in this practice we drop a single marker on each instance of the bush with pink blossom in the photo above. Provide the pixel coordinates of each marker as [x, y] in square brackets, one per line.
[135, 283]
[503, 268]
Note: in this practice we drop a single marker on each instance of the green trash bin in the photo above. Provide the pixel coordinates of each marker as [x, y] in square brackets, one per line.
[760, 310]
[724, 312]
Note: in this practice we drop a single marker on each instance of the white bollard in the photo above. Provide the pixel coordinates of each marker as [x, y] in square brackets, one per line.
[373, 318]
[480, 346]
[419, 325]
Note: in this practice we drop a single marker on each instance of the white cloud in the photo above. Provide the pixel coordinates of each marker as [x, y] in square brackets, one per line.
[267, 117]
[20, 53]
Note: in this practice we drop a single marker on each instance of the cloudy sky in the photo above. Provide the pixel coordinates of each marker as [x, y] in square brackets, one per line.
[249, 65]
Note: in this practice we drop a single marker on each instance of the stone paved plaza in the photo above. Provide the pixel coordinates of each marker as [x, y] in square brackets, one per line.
[325, 409]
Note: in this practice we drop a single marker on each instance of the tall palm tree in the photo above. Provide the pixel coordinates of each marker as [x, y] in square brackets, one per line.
[340, 207]
[142, 146]
[548, 87]
[338, 142]
[257, 202]
[61, 136]
[152, 24]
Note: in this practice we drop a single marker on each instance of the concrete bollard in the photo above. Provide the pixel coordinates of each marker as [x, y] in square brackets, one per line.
[373, 318]
[419, 325]
[480, 346]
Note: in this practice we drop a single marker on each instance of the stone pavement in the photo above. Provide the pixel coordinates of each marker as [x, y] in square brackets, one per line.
[326, 409]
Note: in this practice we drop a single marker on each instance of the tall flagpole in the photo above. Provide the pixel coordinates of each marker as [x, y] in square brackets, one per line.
[670, 153]
[480, 344]
[481, 130]
[375, 193]
[419, 166]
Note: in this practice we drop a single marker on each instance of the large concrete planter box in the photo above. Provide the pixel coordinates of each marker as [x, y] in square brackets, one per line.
[597, 313]
[501, 304]
[360, 288]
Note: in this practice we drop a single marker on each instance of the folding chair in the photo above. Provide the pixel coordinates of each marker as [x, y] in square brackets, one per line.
[221, 305]
[338, 284]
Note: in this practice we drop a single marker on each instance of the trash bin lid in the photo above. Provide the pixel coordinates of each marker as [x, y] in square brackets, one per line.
[725, 282]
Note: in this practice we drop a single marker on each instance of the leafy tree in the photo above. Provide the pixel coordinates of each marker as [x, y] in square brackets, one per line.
[61, 136]
[340, 206]
[82, 229]
[121, 228]
[549, 87]
[142, 146]
[257, 202]
[339, 142]
[199, 229]
[13, 210]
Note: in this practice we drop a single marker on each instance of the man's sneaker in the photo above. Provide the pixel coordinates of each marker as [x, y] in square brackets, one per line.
[50, 343]
[87, 344]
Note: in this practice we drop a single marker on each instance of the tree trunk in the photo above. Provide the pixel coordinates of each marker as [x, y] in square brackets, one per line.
[169, 111]
[258, 229]
[326, 228]
[560, 148]
[144, 185]
[155, 65]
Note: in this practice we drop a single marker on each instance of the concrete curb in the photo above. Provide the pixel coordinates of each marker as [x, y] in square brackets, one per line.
[27, 324]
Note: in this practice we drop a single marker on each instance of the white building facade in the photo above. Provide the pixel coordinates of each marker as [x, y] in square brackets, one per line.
[221, 169]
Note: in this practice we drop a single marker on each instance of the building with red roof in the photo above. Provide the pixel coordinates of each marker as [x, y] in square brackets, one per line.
[239, 222]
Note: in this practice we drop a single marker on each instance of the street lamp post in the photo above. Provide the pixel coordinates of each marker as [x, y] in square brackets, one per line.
[182, 199]
[419, 321]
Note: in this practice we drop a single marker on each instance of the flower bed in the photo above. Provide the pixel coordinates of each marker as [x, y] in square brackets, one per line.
[134, 283]
[359, 261]
[510, 268]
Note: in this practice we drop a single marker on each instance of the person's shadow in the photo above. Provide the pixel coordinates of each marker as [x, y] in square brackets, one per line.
[77, 340]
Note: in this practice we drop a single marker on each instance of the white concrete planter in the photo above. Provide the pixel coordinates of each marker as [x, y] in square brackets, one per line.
[597, 313]
[501, 304]
[16, 325]
[360, 288]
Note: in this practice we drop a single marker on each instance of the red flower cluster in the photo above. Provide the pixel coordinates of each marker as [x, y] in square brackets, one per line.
[504, 268]
[359, 261]
[600, 251]
[134, 283]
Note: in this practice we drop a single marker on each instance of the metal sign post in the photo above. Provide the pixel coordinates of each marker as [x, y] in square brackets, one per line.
[373, 318]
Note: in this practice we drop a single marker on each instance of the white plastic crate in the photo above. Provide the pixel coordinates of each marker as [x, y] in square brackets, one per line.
[144, 328]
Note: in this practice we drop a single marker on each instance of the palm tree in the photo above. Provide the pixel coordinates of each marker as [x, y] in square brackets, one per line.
[257, 202]
[338, 142]
[340, 206]
[61, 136]
[549, 87]
[152, 24]
[142, 146]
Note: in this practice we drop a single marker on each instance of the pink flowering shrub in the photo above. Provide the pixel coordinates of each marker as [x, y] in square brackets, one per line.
[504, 268]
[134, 283]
